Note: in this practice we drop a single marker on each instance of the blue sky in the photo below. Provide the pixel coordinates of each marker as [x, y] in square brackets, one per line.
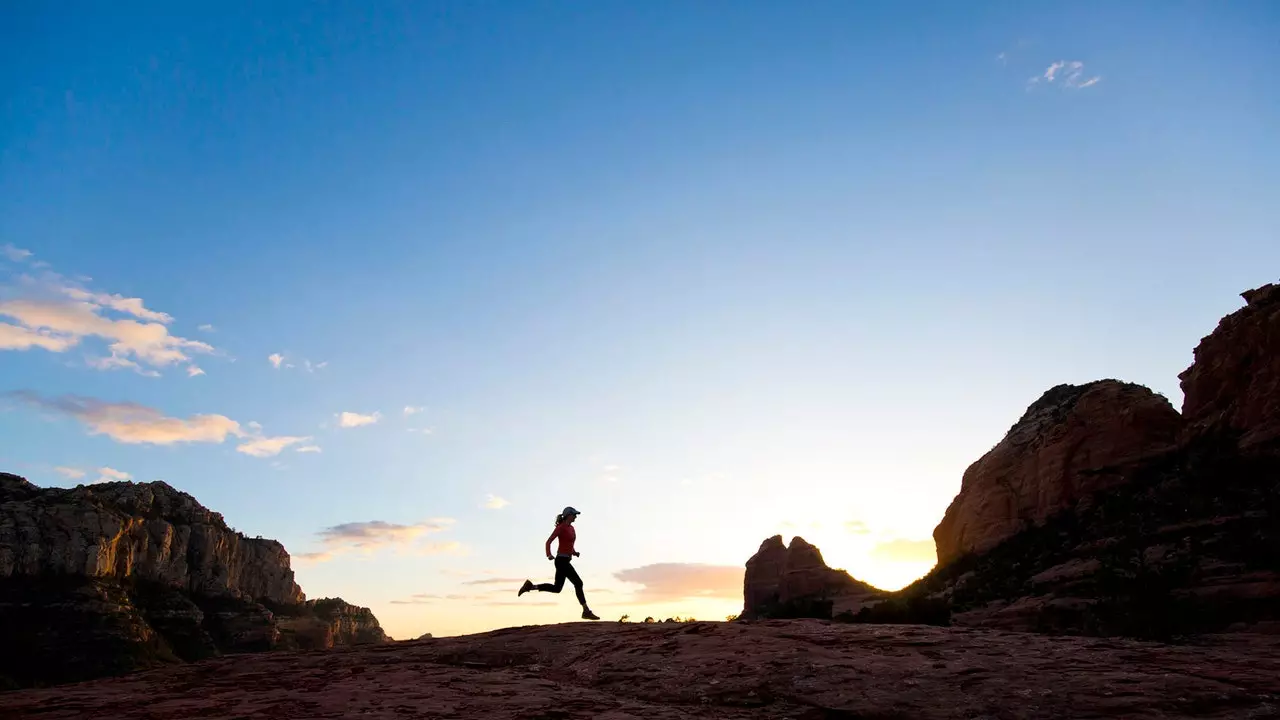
[707, 271]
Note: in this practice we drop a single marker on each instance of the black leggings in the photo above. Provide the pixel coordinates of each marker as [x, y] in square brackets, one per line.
[564, 569]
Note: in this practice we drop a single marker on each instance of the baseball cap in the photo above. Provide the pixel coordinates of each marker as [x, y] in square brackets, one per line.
[570, 511]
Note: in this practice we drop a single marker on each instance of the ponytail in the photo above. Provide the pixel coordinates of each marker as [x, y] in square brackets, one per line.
[559, 519]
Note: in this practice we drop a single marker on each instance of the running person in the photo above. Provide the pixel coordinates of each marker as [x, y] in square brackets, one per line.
[563, 559]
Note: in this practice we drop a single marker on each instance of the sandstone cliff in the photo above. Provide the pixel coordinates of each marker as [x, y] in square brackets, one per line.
[1104, 511]
[795, 581]
[1233, 386]
[103, 579]
[1119, 516]
[1071, 443]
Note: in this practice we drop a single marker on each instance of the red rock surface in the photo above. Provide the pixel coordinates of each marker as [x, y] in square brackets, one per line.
[1050, 459]
[800, 669]
[1234, 383]
[778, 574]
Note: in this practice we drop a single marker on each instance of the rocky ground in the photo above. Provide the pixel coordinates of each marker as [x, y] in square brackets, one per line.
[807, 669]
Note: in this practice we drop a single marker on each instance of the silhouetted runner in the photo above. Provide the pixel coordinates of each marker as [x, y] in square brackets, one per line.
[564, 562]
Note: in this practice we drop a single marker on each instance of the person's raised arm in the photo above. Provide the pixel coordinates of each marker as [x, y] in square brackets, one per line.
[554, 533]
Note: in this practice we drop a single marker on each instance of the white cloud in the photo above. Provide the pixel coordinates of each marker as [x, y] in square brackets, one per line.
[1071, 72]
[411, 410]
[263, 446]
[69, 472]
[350, 419]
[309, 449]
[106, 474]
[205, 328]
[53, 313]
[193, 371]
[275, 359]
[495, 503]
[15, 254]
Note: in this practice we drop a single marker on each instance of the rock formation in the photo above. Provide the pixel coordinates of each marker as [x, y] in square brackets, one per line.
[783, 581]
[103, 579]
[1104, 511]
[796, 670]
[1144, 523]
[1053, 457]
[1234, 384]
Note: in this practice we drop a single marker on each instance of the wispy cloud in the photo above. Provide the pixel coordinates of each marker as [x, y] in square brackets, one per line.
[418, 599]
[1071, 72]
[53, 313]
[106, 474]
[351, 419]
[411, 410]
[495, 503]
[135, 424]
[205, 328]
[495, 581]
[193, 371]
[15, 254]
[677, 581]
[369, 537]
[69, 472]
[131, 423]
[263, 446]
[309, 449]
[282, 361]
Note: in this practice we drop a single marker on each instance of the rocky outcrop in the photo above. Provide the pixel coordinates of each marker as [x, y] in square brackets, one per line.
[1103, 512]
[793, 581]
[794, 670]
[328, 622]
[143, 531]
[104, 579]
[1071, 443]
[1233, 387]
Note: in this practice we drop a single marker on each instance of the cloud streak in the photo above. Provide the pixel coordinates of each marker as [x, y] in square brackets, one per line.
[134, 424]
[374, 535]
[664, 582]
[495, 503]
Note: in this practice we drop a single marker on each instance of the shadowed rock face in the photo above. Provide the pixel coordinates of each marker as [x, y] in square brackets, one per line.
[1233, 386]
[1104, 512]
[778, 579]
[1071, 443]
[104, 579]
[774, 670]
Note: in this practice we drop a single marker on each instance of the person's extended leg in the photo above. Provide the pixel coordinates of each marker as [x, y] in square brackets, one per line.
[561, 564]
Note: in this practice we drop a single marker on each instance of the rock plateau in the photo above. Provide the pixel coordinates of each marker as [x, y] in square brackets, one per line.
[775, 670]
[104, 579]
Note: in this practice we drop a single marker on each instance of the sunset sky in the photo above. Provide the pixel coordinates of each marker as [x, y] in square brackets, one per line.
[394, 282]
